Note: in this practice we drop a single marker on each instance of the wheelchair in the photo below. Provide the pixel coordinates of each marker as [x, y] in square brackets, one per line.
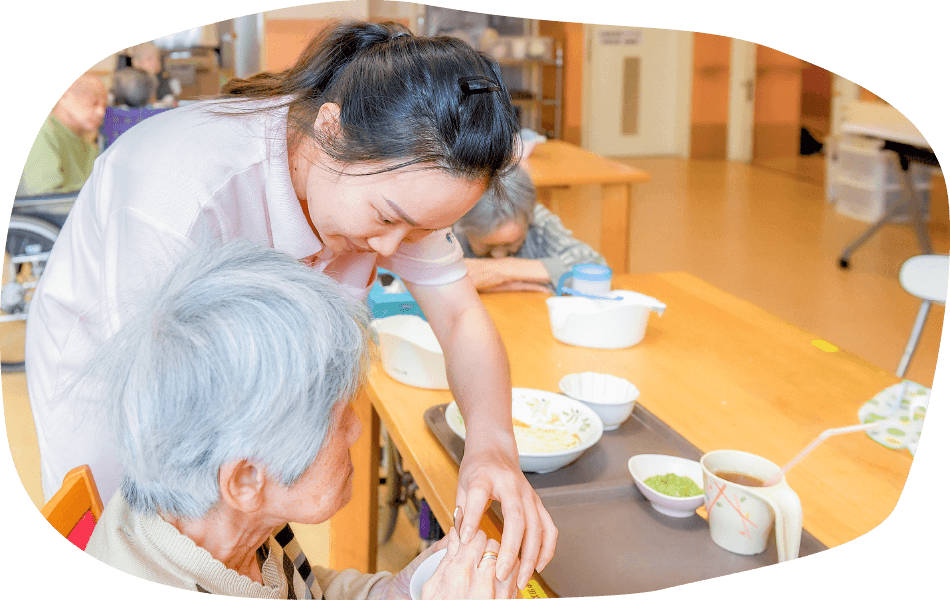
[35, 224]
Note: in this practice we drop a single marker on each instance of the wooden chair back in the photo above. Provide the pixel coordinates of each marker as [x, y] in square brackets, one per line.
[76, 502]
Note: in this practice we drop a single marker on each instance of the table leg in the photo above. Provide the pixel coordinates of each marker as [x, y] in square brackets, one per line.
[353, 530]
[614, 219]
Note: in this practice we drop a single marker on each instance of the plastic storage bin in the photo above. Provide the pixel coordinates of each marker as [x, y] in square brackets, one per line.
[870, 203]
[864, 181]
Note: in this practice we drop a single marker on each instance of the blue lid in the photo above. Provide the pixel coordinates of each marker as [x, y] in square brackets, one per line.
[592, 272]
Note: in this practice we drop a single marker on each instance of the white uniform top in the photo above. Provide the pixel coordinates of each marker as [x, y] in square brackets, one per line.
[149, 199]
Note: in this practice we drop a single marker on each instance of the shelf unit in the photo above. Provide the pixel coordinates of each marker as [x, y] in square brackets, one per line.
[525, 78]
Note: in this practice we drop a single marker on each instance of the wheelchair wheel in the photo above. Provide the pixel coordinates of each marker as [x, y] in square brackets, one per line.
[29, 240]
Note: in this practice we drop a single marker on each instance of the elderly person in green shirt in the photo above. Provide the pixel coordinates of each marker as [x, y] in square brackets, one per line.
[62, 155]
[514, 244]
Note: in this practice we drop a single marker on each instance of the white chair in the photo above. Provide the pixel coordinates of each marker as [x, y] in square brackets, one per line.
[924, 276]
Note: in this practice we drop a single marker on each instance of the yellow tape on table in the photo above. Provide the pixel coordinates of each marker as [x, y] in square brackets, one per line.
[533, 590]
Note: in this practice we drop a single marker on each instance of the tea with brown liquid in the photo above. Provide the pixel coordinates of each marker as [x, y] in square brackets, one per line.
[740, 478]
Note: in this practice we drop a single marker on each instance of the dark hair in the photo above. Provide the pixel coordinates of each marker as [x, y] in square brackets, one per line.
[400, 100]
[133, 87]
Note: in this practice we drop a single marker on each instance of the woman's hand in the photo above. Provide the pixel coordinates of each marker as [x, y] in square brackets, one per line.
[486, 475]
[468, 571]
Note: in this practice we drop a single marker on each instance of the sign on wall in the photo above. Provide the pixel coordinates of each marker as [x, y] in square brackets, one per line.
[619, 37]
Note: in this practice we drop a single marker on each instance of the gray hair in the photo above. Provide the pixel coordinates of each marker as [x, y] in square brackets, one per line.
[492, 211]
[241, 354]
[133, 87]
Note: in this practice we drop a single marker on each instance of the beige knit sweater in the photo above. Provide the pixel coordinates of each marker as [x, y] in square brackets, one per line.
[148, 547]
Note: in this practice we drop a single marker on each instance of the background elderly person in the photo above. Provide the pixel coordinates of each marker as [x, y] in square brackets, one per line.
[518, 245]
[148, 58]
[62, 156]
[133, 88]
[230, 400]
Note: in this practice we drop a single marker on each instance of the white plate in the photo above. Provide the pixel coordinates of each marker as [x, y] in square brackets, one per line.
[553, 411]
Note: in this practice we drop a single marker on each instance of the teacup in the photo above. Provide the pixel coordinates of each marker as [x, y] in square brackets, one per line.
[741, 516]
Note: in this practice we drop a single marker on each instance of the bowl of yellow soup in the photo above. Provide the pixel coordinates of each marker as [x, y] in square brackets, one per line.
[551, 430]
[673, 485]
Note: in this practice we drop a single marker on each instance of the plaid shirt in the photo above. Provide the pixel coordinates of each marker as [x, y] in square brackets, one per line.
[548, 241]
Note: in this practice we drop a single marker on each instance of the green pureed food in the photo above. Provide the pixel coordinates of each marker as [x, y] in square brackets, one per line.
[674, 485]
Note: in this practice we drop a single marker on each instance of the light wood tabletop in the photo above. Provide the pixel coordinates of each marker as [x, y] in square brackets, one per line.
[557, 170]
[720, 371]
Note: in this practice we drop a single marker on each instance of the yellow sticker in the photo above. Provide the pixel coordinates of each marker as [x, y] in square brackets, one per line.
[533, 590]
[823, 345]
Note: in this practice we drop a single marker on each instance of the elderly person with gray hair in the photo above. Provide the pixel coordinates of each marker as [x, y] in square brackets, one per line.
[518, 245]
[133, 88]
[148, 57]
[229, 396]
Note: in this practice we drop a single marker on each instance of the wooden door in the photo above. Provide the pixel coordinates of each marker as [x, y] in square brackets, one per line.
[710, 102]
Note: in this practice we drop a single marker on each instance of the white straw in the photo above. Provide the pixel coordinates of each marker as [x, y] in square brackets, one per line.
[822, 437]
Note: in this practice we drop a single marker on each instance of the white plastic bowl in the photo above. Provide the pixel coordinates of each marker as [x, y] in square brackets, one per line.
[612, 398]
[410, 352]
[607, 324]
[644, 466]
[540, 407]
[423, 574]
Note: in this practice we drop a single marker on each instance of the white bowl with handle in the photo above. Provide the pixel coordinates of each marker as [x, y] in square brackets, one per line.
[410, 352]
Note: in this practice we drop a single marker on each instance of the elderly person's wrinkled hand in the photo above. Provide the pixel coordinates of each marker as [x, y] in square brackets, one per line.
[397, 588]
[518, 286]
[485, 273]
[468, 571]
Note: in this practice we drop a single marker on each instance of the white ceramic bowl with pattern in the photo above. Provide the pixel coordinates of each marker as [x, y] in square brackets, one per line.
[644, 466]
[545, 410]
[611, 397]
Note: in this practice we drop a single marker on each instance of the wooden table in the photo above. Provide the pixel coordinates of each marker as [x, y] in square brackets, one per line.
[719, 370]
[557, 165]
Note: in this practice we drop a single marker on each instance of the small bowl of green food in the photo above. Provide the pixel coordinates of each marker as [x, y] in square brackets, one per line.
[673, 485]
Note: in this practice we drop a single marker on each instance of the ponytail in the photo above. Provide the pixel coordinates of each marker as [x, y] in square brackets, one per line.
[404, 99]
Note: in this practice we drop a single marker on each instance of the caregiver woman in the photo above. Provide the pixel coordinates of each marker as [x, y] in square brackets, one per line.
[364, 153]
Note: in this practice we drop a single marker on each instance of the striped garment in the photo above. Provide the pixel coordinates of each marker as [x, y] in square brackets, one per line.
[146, 546]
[549, 242]
[294, 566]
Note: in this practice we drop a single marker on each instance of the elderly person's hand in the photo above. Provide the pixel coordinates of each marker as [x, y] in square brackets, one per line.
[518, 286]
[518, 274]
[397, 588]
[468, 571]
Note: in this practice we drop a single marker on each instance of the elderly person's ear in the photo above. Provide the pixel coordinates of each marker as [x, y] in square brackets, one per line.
[242, 485]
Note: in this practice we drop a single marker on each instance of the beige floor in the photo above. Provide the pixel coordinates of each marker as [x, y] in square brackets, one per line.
[762, 233]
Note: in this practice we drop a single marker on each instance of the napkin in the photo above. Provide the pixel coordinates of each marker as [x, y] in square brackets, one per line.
[904, 429]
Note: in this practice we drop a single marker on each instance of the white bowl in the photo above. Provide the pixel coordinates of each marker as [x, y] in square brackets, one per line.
[552, 411]
[410, 351]
[423, 574]
[612, 398]
[607, 324]
[644, 466]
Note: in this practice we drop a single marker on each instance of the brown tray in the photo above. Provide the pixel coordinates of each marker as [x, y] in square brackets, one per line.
[611, 541]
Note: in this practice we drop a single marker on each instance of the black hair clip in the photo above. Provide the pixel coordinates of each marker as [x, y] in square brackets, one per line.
[477, 85]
